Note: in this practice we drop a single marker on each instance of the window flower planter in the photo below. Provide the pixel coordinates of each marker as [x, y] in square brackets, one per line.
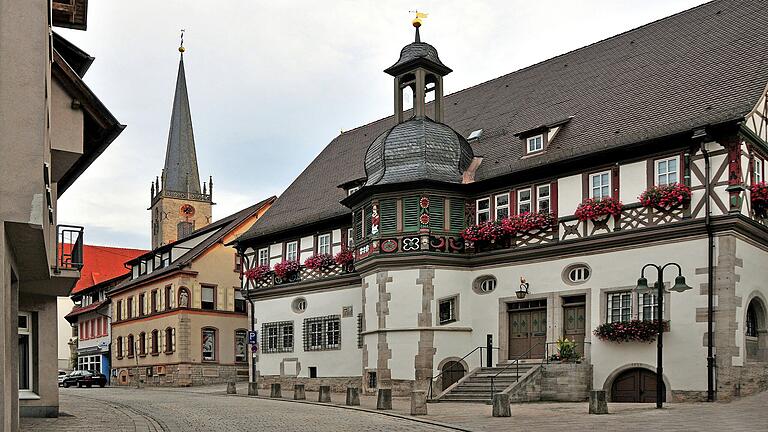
[500, 231]
[256, 273]
[286, 268]
[666, 196]
[595, 209]
[630, 331]
[346, 259]
[320, 261]
[759, 199]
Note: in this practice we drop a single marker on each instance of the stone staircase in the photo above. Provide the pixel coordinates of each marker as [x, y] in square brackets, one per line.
[476, 387]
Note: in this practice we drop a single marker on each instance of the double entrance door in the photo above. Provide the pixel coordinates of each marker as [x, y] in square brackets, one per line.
[527, 329]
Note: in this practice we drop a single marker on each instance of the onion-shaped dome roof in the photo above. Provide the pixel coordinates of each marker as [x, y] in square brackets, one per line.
[415, 54]
[415, 150]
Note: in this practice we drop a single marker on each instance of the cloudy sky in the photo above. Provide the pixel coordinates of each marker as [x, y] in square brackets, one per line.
[271, 83]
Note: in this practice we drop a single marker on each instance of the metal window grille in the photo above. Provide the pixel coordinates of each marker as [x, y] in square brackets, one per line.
[322, 333]
[372, 381]
[360, 330]
[277, 337]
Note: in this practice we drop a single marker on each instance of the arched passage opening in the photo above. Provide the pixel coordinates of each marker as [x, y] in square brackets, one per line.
[756, 331]
[452, 371]
[635, 385]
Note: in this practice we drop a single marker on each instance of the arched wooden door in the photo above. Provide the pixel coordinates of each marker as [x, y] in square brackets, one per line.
[635, 385]
[452, 372]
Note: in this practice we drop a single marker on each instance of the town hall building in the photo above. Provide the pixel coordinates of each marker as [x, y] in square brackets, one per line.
[523, 210]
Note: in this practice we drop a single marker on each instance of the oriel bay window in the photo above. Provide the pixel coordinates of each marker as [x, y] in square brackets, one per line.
[208, 344]
[277, 337]
[667, 171]
[322, 333]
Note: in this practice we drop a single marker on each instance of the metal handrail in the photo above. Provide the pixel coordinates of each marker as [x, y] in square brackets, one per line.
[516, 362]
[433, 378]
[71, 259]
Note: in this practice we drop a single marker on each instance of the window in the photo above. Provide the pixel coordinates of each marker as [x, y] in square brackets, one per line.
[484, 284]
[155, 300]
[751, 323]
[502, 206]
[667, 171]
[648, 306]
[240, 346]
[447, 310]
[26, 367]
[324, 244]
[277, 337]
[488, 285]
[543, 199]
[322, 333]
[291, 251]
[89, 363]
[209, 344]
[523, 201]
[168, 297]
[239, 302]
[129, 307]
[168, 340]
[165, 259]
[535, 143]
[155, 343]
[299, 304]
[142, 310]
[372, 380]
[360, 322]
[619, 306]
[119, 344]
[264, 256]
[483, 210]
[238, 263]
[353, 190]
[184, 229]
[131, 346]
[757, 170]
[207, 297]
[600, 185]
[576, 274]
[350, 238]
[142, 344]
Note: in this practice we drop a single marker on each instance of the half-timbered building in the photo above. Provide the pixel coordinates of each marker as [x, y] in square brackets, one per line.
[522, 210]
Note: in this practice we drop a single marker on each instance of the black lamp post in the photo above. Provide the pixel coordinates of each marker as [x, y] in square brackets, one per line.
[680, 286]
[523, 290]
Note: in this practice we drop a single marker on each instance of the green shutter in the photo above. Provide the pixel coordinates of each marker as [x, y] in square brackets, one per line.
[359, 224]
[388, 216]
[457, 214]
[411, 214]
[368, 213]
[437, 213]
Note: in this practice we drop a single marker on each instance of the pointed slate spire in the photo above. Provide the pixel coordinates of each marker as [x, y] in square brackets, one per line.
[180, 173]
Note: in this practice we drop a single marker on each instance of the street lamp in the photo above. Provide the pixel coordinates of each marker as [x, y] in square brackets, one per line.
[523, 290]
[680, 286]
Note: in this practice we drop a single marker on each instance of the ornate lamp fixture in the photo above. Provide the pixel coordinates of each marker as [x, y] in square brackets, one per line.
[523, 290]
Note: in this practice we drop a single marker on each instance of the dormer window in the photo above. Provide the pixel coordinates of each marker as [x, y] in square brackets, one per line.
[353, 190]
[535, 143]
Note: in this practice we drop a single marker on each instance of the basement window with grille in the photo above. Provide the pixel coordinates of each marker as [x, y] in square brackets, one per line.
[322, 333]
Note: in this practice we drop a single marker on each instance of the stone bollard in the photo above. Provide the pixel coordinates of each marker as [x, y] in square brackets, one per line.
[253, 389]
[384, 399]
[231, 387]
[501, 406]
[353, 396]
[324, 394]
[418, 402]
[597, 402]
[276, 391]
[298, 392]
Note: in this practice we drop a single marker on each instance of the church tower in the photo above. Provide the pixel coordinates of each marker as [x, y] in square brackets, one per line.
[178, 205]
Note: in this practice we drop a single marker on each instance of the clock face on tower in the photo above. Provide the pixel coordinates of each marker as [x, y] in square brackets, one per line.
[187, 210]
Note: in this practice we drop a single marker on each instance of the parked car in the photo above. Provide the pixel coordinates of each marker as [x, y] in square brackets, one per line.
[62, 375]
[84, 378]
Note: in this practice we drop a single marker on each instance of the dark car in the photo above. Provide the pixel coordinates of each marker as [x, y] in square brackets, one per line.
[84, 378]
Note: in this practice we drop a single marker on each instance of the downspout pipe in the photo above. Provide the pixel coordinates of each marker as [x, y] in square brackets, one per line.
[701, 135]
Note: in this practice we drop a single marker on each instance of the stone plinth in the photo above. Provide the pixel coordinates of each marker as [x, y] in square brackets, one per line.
[418, 402]
[353, 396]
[298, 392]
[598, 403]
[324, 395]
[275, 391]
[231, 387]
[384, 399]
[253, 389]
[501, 406]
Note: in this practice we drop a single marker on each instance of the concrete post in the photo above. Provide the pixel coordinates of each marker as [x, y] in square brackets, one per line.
[276, 391]
[298, 392]
[501, 406]
[384, 399]
[253, 389]
[418, 402]
[598, 403]
[231, 387]
[353, 396]
[325, 394]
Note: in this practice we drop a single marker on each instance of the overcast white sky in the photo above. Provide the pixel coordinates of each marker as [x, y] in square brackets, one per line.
[271, 83]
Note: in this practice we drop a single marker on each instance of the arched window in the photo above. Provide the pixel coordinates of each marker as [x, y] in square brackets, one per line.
[208, 344]
[142, 344]
[240, 346]
[155, 344]
[756, 331]
[168, 340]
[184, 229]
[131, 346]
[119, 345]
[184, 298]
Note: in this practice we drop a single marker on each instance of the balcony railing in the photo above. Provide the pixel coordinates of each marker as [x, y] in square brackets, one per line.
[304, 274]
[69, 247]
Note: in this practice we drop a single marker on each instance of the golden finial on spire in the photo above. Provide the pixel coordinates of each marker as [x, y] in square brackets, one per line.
[419, 16]
[181, 46]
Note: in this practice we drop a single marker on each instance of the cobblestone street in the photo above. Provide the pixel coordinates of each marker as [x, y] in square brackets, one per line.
[210, 409]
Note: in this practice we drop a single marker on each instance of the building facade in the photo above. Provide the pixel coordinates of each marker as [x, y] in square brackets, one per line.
[52, 127]
[523, 209]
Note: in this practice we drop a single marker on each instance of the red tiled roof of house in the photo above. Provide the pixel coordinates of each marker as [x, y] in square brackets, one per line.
[102, 263]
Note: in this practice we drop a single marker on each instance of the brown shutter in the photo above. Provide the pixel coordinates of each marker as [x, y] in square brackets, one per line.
[553, 198]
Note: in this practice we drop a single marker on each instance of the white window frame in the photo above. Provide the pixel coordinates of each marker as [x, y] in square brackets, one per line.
[454, 310]
[27, 331]
[488, 285]
[657, 171]
[203, 290]
[541, 198]
[485, 211]
[324, 244]
[353, 190]
[521, 201]
[212, 357]
[534, 144]
[350, 238]
[263, 256]
[757, 170]
[498, 206]
[602, 185]
[622, 296]
[653, 305]
[292, 255]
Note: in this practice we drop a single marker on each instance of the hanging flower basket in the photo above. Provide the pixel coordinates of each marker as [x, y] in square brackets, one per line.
[759, 198]
[666, 196]
[320, 261]
[594, 209]
[286, 268]
[257, 273]
[630, 331]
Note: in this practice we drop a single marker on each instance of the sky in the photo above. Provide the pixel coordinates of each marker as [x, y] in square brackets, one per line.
[272, 83]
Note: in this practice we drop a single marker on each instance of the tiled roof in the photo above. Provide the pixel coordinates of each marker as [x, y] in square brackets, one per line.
[703, 66]
[77, 310]
[102, 263]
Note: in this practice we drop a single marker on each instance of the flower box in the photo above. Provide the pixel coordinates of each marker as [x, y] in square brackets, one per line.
[320, 261]
[594, 209]
[630, 331]
[665, 196]
[256, 273]
[759, 199]
[286, 268]
[499, 231]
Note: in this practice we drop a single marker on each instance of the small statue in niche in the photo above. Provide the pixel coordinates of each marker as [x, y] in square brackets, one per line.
[183, 298]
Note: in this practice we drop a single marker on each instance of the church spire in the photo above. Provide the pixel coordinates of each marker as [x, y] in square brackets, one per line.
[180, 173]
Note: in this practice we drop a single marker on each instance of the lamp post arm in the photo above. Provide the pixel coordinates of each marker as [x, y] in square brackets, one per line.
[642, 272]
[679, 269]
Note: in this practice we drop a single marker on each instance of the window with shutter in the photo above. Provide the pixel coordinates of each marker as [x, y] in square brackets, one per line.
[457, 214]
[411, 214]
[368, 212]
[437, 213]
[388, 216]
[359, 225]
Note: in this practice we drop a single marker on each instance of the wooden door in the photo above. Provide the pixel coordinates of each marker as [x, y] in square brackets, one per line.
[527, 328]
[575, 325]
[538, 333]
[635, 385]
[452, 372]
